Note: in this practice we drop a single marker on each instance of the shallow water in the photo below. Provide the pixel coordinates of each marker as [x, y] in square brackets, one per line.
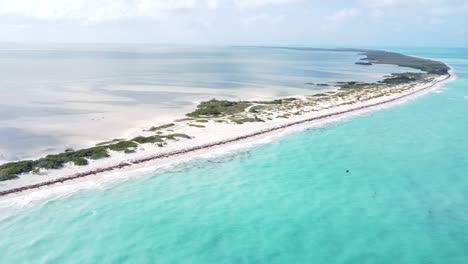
[404, 200]
[64, 96]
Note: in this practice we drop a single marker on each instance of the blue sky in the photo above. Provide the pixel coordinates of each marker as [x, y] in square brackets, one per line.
[238, 22]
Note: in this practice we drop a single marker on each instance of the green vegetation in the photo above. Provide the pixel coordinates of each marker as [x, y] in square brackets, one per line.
[109, 142]
[363, 63]
[80, 157]
[79, 161]
[183, 119]
[320, 94]
[353, 85]
[276, 101]
[122, 145]
[247, 120]
[195, 125]
[385, 57]
[401, 78]
[10, 170]
[214, 108]
[256, 108]
[151, 139]
[161, 127]
[426, 65]
[393, 79]
[220, 108]
[176, 135]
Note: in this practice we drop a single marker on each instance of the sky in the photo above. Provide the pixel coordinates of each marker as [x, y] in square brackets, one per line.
[369, 23]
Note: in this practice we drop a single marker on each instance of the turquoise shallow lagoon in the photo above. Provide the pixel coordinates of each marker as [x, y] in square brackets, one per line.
[404, 200]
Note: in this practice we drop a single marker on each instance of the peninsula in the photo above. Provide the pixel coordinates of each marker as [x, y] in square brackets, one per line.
[218, 122]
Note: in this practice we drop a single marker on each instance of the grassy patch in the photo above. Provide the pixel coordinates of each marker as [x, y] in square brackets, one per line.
[109, 142]
[177, 135]
[123, 145]
[247, 120]
[195, 125]
[80, 161]
[10, 170]
[256, 109]
[277, 101]
[161, 127]
[320, 94]
[151, 139]
[213, 108]
[384, 57]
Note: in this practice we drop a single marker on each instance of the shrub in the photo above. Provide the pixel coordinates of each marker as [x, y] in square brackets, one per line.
[122, 146]
[10, 170]
[80, 161]
[215, 107]
[161, 127]
[195, 125]
[99, 154]
[151, 139]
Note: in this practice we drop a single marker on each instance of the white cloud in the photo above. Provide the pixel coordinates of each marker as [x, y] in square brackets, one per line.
[97, 10]
[337, 18]
[343, 15]
[449, 10]
[399, 3]
[94, 11]
[262, 18]
[212, 4]
[432, 7]
[257, 3]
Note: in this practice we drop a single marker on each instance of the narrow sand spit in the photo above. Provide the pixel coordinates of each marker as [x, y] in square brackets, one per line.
[209, 138]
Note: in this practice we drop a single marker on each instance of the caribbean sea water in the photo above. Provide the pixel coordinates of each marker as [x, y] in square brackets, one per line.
[404, 198]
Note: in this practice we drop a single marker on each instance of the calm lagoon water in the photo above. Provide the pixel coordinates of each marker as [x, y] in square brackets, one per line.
[405, 199]
[56, 96]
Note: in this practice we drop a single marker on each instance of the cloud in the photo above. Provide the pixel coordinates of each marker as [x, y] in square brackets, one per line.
[97, 10]
[258, 3]
[262, 18]
[449, 10]
[431, 7]
[334, 20]
[398, 3]
[342, 15]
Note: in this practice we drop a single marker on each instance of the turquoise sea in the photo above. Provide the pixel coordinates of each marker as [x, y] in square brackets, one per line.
[404, 200]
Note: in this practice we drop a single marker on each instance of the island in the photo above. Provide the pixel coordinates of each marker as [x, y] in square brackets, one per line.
[217, 122]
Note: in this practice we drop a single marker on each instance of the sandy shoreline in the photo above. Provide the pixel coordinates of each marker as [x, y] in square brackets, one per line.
[213, 136]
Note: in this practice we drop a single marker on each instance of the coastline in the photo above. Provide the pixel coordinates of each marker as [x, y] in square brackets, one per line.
[230, 135]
